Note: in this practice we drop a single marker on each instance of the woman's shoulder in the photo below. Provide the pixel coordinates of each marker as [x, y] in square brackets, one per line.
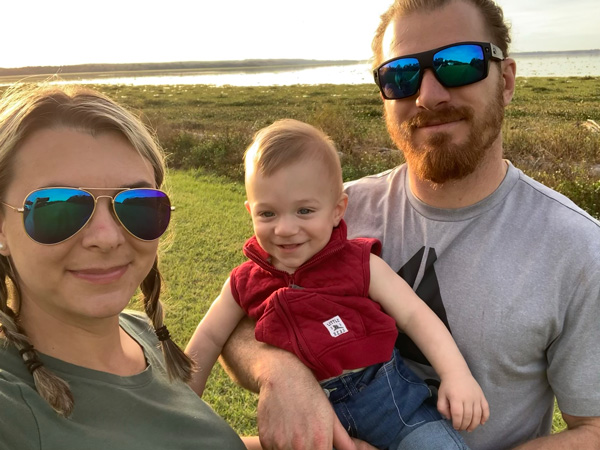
[136, 322]
[17, 421]
[138, 326]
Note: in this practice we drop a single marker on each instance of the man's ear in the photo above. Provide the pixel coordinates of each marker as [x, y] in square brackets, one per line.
[340, 209]
[509, 74]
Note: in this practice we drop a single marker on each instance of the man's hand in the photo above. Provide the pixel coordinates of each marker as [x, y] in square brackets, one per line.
[294, 413]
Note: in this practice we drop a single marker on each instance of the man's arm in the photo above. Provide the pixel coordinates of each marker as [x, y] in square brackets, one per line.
[582, 433]
[293, 412]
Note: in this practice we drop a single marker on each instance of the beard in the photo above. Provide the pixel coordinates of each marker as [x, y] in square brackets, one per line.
[438, 159]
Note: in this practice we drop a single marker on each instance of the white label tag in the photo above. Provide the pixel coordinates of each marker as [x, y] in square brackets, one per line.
[336, 326]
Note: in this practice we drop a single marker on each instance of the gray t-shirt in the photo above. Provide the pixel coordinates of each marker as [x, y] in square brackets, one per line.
[516, 277]
[141, 412]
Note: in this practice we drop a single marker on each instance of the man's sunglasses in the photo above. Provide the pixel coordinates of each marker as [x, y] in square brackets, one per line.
[53, 215]
[453, 65]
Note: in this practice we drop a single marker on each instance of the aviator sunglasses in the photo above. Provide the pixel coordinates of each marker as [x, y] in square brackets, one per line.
[453, 65]
[55, 214]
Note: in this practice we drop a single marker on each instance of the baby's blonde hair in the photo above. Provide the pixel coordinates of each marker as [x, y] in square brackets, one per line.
[288, 141]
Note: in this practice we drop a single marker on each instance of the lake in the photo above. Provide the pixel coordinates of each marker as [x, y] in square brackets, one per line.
[538, 65]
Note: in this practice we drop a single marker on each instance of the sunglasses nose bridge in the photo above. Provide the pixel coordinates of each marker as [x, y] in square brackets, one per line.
[426, 64]
[98, 197]
[112, 209]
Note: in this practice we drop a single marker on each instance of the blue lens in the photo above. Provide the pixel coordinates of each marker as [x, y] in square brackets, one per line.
[400, 78]
[55, 214]
[459, 65]
[145, 213]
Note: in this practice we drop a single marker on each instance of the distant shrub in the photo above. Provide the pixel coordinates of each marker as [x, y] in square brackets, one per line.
[584, 194]
[220, 153]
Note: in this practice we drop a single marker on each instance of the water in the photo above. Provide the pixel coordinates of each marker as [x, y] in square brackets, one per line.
[345, 74]
[563, 65]
[541, 65]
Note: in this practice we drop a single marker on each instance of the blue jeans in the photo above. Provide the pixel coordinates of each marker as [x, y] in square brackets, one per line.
[385, 405]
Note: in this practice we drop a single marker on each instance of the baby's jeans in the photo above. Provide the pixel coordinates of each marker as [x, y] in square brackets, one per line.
[385, 405]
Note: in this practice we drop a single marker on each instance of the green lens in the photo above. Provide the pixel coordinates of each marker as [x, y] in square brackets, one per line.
[144, 212]
[400, 78]
[459, 65]
[52, 215]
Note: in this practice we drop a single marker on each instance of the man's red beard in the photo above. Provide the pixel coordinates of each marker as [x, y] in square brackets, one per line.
[438, 159]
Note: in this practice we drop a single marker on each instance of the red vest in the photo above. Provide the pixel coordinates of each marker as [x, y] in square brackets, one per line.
[321, 312]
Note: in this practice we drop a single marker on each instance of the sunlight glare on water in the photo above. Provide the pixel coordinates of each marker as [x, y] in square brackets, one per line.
[347, 74]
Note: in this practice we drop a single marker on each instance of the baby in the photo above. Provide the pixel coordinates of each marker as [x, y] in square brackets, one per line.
[333, 302]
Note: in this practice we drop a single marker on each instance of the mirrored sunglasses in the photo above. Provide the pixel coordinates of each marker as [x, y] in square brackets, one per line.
[55, 214]
[453, 65]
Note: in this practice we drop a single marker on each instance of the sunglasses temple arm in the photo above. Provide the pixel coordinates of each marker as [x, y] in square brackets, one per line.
[14, 208]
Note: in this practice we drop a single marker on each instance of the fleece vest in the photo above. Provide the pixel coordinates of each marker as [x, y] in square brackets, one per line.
[321, 312]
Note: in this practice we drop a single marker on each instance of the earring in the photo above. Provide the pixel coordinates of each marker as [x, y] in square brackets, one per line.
[1, 246]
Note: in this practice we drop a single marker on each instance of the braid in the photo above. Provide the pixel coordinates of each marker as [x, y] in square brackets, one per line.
[50, 387]
[179, 365]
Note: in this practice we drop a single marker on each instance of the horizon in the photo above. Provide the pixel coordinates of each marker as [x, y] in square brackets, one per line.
[511, 54]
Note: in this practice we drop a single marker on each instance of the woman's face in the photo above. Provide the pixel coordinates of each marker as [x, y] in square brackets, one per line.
[93, 274]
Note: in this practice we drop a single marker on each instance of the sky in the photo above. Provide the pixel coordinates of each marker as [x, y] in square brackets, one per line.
[66, 32]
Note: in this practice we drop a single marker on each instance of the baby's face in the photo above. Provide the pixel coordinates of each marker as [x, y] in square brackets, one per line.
[294, 211]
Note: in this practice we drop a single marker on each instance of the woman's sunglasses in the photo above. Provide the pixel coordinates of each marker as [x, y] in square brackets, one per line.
[453, 65]
[53, 215]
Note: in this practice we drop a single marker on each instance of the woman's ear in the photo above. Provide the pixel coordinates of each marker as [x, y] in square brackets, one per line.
[340, 209]
[4, 250]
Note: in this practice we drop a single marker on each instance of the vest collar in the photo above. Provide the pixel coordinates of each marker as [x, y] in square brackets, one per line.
[256, 253]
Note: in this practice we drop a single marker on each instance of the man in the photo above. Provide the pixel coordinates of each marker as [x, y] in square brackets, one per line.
[512, 267]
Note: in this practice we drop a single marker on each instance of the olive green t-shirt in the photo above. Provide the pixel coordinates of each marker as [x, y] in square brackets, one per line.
[140, 412]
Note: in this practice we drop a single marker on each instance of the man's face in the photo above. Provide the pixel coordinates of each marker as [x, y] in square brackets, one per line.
[445, 133]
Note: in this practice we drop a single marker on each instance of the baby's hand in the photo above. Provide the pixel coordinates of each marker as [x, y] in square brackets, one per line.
[461, 399]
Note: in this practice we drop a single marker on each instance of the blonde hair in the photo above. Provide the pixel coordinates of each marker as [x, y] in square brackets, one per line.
[492, 15]
[288, 141]
[25, 109]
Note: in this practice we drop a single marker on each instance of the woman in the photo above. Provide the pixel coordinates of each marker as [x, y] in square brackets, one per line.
[80, 217]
